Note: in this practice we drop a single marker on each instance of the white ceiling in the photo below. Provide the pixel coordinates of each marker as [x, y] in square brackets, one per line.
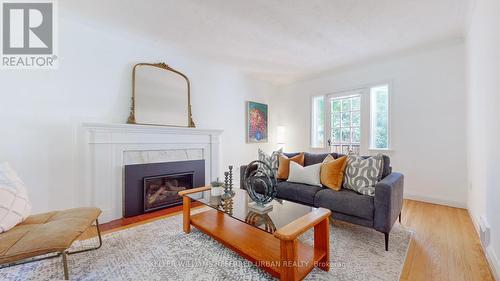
[282, 41]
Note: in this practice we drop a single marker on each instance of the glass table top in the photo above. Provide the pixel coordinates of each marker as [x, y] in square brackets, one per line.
[240, 207]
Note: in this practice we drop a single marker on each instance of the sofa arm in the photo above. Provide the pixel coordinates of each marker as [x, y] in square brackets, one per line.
[388, 201]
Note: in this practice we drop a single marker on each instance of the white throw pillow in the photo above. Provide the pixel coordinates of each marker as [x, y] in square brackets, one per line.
[307, 175]
[15, 206]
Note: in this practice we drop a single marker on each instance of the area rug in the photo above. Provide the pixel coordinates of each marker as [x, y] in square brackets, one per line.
[161, 251]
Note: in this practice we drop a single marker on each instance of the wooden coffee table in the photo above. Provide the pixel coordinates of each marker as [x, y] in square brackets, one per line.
[269, 240]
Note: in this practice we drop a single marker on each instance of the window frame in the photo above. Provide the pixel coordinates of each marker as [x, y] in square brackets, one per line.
[312, 126]
[366, 145]
[364, 129]
[371, 146]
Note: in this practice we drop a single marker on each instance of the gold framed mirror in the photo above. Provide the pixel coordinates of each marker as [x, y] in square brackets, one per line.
[161, 96]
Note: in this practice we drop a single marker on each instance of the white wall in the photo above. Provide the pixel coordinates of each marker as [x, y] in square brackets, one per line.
[40, 110]
[428, 119]
[483, 59]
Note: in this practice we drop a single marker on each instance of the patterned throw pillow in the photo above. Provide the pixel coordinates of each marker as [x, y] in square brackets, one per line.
[271, 160]
[14, 204]
[361, 175]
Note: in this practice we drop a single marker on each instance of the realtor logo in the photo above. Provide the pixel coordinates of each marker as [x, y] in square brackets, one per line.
[28, 34]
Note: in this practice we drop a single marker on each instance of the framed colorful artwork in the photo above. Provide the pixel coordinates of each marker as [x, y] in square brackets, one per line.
[257, 122]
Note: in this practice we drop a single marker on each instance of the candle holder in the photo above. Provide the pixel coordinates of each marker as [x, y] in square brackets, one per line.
[228, 184]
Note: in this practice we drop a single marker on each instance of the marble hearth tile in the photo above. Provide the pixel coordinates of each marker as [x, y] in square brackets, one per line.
[167, 156]
[195, 154]
[158, 156]
[135, 157]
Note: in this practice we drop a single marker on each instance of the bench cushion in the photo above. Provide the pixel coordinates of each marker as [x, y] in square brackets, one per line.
[45, 233]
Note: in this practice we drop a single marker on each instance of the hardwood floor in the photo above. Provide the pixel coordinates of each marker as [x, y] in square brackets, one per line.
[125, 223]
[445, 246]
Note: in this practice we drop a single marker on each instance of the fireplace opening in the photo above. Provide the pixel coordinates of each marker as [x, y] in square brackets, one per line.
[154, 186]
[162, 191]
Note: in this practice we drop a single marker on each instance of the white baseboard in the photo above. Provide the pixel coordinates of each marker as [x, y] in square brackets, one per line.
[491, 257]
[494, 262]
[456, 204]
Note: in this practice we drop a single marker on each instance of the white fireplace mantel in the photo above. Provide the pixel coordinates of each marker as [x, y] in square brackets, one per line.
[106, 148]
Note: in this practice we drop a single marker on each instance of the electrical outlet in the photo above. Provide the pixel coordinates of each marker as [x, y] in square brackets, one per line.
[470, 186]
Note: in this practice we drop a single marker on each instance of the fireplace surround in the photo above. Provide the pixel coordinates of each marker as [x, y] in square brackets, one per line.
[107, 148]
[154, 186]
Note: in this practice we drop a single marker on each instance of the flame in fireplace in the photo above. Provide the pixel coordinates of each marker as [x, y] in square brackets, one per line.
[159, 192]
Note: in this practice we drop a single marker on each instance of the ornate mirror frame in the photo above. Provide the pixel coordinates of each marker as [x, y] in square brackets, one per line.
[162, 65]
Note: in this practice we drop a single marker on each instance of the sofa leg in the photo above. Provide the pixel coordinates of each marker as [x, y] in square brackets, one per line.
[386, 241]
[399, 218]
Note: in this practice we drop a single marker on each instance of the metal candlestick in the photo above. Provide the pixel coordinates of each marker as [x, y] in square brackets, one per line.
[231, 179]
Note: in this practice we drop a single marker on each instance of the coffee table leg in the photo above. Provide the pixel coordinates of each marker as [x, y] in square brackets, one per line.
[289, 259]
[186, 213]
[322, 242]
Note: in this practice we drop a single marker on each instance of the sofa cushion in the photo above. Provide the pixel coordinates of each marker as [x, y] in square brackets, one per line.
[315, 158]
[297, 192]
[290, 154]
[387, 169]
[346, 202]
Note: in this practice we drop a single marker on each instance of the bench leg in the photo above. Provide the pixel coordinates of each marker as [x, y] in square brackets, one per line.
[65, 254]
[94, 248]
[65, 265]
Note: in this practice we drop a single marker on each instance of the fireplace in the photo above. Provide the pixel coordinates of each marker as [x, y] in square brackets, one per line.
[161, 191]
[155, 186]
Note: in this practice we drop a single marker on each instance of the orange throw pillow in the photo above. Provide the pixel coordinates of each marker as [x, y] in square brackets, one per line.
[284, 165]
[332, 172]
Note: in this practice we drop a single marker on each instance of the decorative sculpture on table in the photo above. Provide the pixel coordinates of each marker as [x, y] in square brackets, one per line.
[260, 182]
[260, 220]
[228, 184]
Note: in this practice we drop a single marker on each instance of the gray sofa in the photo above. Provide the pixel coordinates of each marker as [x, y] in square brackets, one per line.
[379, 212]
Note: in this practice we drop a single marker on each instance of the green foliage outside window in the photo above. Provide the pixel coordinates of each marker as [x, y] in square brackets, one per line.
[380, 98]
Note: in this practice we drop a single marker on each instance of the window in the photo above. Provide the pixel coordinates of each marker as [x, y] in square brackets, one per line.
[356, 122]
[379, 101]
[318, 122]
[346, 124]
